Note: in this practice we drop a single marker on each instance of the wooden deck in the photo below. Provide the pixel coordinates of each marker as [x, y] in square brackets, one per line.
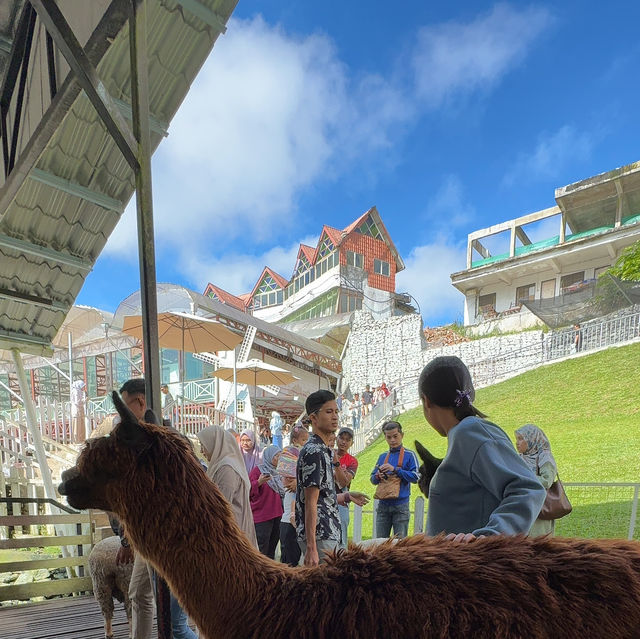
[66, 618]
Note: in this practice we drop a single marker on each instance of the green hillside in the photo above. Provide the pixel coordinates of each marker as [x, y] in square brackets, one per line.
[589, 407]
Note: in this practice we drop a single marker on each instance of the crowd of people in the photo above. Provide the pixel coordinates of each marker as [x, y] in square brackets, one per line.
[291, 487]
[353, 408]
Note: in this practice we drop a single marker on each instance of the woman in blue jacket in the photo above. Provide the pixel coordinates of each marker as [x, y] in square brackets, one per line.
[482, 487]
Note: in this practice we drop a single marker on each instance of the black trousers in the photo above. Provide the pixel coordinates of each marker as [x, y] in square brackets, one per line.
[289, 550]
[268, 535]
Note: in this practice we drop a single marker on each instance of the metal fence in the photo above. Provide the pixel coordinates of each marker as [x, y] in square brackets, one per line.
[600, 510]
[556, 345]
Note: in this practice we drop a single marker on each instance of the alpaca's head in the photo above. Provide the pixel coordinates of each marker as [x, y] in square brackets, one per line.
[427, 468]
[129, 460]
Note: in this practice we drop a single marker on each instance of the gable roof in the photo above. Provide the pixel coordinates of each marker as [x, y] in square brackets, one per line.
[307, 251]
[386, 238]
[225, 297]
[280, 281]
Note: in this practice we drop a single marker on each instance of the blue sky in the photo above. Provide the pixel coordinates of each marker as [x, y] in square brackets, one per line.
[449, 117]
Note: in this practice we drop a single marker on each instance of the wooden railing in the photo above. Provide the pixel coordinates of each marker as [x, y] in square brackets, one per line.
[78, 542]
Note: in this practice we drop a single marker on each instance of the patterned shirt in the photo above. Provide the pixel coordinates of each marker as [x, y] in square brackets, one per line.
[315, 469]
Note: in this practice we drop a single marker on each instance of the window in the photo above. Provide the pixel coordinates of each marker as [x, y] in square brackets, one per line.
[571, 282]
[381, 267]
[368, 227]
[548, 289]
[355, 259]
[487, 304]
[525, 293]
[325, 248]
[241, 406]
[350, 302]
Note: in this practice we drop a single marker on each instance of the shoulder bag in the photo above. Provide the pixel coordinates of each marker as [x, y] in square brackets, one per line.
[390, 488]
[557, 504]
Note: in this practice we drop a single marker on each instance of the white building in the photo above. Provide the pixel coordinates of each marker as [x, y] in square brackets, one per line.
[594, 220]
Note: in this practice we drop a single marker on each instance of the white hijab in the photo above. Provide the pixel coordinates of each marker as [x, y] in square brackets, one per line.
[224, 452]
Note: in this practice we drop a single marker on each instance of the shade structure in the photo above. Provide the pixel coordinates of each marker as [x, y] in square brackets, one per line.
[185, 332]
[256, 373]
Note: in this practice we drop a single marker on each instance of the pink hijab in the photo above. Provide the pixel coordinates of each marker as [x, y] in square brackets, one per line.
[253, 457]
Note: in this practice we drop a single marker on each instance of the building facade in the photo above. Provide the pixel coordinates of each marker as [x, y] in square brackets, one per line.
[551, 253]
[348, 270]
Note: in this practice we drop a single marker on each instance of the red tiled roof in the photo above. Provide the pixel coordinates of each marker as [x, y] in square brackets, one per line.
[225, 297]
[355, 224]
[335, 235]
[307, 251]
[280, 281]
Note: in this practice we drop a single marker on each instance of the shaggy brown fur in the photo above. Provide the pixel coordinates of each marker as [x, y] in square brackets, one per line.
[498, 587]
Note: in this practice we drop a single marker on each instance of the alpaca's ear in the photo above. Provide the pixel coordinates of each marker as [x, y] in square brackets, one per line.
[430, 462]
[123, 410]
[129, 430]
[151, 418]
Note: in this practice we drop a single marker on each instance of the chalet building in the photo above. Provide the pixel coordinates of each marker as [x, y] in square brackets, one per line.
[348, 270]
[596, 219]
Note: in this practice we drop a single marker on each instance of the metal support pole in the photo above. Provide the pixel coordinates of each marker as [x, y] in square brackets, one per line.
[144, 201]
[32, 427]
[235, 389]
[146, 248]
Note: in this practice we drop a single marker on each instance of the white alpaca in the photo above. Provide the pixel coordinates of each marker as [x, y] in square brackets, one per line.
[110, 580]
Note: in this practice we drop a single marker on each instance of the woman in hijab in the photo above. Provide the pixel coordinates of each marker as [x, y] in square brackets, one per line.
[535, 450]
[266, 495]
[251, 454]
[226, 470]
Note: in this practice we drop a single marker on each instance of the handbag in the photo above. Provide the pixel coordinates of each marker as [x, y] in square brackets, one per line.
[556, 503]
[390, 488]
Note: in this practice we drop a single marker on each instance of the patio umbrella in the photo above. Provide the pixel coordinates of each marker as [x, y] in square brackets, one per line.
[186, 333]
[256, 373]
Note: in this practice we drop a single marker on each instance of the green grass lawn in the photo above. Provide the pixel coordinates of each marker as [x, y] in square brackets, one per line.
[589, 409]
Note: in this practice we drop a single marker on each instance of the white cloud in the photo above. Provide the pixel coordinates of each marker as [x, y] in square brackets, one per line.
[458, 58]
[552, 154]
[268, 116]
[427, 278]
[238, 273]
[272, 115]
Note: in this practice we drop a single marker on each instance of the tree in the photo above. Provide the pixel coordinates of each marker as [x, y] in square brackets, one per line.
[627, 266]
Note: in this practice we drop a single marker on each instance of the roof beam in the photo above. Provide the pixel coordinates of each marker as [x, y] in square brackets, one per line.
[155, 125]
[478, 246]
[522, 236]
[5, 45]
[204, 13]
[519, 221]
[25, 343]
[33, 300]
[77, 190]
[45, 253]
[87, 76]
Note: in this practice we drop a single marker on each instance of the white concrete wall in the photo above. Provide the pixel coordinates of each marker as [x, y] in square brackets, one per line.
[506, 295]
[382, 351]
[305, 295]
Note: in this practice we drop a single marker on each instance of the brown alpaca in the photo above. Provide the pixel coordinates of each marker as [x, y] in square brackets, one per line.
[498, 587]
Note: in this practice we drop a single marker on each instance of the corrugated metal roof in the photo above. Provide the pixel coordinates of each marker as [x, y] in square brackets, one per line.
[72, 144]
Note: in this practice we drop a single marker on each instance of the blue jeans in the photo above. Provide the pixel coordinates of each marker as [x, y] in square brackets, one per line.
[344, 524]
[179, 626]
[396, 516]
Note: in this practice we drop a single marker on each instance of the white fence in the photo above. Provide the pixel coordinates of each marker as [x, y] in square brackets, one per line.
[600, 510]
